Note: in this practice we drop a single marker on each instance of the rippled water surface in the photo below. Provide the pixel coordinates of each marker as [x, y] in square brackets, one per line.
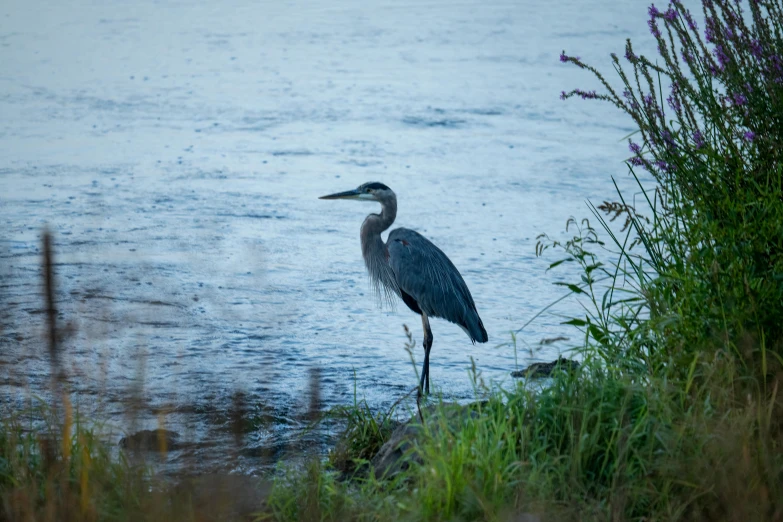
[177, 150]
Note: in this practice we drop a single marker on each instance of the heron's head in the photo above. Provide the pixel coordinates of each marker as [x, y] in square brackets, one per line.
[371, 191]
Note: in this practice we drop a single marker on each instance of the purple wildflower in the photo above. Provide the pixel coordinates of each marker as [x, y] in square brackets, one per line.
[630, 99]
[691, 22]
[653, 10]
[674, 102]
[720, 54]
[563, 57]
[654, 28]
[668, 140]
[629, 54]
[634, 147]
[698, 139]
[563, 95]
[648, 100]
[756, 49]
[728, 32]
[749, 136]
[586, 95]
[709, 32]
[663, 165]
[739, 99]
[636, 161]
[670, 14]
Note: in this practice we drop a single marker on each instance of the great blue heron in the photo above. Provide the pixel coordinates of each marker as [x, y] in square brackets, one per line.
[410, 266]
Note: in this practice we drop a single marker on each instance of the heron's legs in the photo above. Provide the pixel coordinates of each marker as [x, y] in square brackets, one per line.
[424, 386]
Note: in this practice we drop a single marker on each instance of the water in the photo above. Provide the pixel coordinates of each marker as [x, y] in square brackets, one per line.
[177, 151]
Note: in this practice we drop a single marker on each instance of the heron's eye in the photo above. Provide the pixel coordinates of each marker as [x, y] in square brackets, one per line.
[367, 190]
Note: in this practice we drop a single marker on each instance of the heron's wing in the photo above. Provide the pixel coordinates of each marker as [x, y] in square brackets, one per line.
[425, 273]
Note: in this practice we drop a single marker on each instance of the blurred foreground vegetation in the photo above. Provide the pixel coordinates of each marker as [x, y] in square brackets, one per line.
[675, 413]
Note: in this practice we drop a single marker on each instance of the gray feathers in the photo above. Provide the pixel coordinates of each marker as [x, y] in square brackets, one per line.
[424, 272]
[409, 266]
[382, 277]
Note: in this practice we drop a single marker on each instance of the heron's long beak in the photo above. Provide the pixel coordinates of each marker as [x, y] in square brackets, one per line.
[349, 194]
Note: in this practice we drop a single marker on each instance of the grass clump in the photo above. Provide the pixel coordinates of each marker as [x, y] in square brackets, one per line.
[63, 472]
[588, 447]
[363, 435]
[53, 468]
[675, 413]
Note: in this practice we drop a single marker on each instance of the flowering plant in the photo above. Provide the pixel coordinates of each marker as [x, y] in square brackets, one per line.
[709, 113]
[725, 89]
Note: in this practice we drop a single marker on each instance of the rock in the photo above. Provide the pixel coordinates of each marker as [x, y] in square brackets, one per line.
[397, 454]
[546, 369]
[151, 440]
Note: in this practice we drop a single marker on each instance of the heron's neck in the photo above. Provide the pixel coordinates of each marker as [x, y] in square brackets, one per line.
[376, 256]
[374, 224]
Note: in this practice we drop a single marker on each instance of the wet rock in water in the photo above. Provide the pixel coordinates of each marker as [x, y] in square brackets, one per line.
[397, 454]
[151, 440]
[546, 369]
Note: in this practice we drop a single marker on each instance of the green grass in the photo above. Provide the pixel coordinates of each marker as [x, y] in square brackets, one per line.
[65, 471]
[364, 433]
[589, 447]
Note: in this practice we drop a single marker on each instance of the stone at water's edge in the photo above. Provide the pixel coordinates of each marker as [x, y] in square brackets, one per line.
[401, 449]
[396, 454]
[546, 369]
[151, 440]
